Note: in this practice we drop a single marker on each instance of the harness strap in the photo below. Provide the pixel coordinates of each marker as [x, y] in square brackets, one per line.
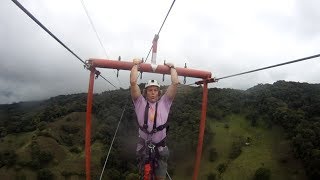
[153, 154]
[155, 129]
[144, 144]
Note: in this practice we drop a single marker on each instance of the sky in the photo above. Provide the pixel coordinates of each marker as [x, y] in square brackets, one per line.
[223, 37]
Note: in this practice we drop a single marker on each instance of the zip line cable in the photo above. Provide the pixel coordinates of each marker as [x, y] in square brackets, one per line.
[97, 34]
[66, 47]
[114, 136]
[162, 26]
[268, 67]
[53, 36]
[168, 175]
[94, 29]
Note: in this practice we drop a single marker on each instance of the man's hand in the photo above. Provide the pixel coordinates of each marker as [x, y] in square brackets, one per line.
[137, 61]
[170, 65]
[135, 90]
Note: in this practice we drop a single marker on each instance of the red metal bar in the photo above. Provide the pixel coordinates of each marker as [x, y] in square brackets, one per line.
[201, 130]
[144, 67]
[88, 124]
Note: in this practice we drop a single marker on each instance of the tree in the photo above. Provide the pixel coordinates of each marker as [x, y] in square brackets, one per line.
[45, 174]
[236, 149]
[262, 174]
[132, 176]
[211, 176]
[213, 155]
[8, 158]
[45, 157]
[222, 168]
[113, 174]
[3, 132]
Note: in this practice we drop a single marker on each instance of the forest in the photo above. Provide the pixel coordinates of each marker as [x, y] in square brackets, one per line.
[269, 131]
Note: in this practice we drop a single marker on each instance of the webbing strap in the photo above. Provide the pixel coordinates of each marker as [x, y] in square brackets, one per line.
[144, 128]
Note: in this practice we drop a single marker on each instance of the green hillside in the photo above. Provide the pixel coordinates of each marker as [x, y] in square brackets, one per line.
[268, 131]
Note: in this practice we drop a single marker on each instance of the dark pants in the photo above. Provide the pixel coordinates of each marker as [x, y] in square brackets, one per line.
[160, 166]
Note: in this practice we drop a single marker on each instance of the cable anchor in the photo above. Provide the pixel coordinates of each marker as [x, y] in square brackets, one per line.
[185, 79]
[97, 74]
[87, 65]
[119, 59]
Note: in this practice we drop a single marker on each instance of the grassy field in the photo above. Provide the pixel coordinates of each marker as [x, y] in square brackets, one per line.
[267, 148]
[64, 160]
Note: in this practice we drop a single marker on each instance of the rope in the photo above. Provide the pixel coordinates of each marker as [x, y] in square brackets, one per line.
[162, 26]
[114, 136]
[94, 29]
[168, 175]
[53, 36]
[268, 67]
[97, 35]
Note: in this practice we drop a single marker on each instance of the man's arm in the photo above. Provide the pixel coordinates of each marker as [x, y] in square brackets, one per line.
[172, 89]
[134, 88]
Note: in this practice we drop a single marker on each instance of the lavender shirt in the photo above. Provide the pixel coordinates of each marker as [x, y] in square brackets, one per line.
[164, 105]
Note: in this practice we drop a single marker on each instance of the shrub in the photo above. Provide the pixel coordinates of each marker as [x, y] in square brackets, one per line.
[20, 177]
[213, 155]
[45, 174]
[71, 129]
[8, 158]
[113, 174]
[211, 176]
[75, 149]
[222, 168]
[132, 176]
[226, 125]
[236, 150]
[45, 157]
[66, 139]
[42, 125]
[262, 174]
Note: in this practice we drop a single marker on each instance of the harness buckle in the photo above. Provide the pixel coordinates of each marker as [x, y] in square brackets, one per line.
[151, 147]
[154, 130]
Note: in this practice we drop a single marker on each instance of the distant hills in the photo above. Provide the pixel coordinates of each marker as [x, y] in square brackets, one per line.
[269, 131]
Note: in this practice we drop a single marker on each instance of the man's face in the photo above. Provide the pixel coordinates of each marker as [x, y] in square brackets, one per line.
[152, 93]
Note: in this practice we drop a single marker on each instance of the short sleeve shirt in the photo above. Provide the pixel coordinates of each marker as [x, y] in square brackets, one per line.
[164, 105]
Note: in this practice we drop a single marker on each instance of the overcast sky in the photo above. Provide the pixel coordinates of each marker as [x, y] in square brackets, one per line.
[223, 37]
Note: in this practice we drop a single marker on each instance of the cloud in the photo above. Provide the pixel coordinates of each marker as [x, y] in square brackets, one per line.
[223, 37]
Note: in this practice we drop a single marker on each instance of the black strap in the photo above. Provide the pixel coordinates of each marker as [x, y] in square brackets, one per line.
[154, 155]
[161, 143]
[155, 129]
[146, 113]
[155, 118]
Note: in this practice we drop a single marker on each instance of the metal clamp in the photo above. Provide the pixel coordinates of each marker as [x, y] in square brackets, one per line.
[119, 59]
[151, 147]
[184, 79]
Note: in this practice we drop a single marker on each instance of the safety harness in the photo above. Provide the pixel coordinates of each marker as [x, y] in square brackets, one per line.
[148, 146]
[155, 129]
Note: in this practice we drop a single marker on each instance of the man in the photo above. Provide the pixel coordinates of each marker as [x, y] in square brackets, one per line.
[152, 112]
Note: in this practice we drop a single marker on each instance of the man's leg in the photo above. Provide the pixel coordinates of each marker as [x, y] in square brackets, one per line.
[162, 167]
[140, 163]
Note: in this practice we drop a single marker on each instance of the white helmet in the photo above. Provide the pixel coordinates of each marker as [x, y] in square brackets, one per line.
[152, 83]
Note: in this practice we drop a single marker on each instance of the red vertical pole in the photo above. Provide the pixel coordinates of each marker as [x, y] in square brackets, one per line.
[88, 124]
[201, 130]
